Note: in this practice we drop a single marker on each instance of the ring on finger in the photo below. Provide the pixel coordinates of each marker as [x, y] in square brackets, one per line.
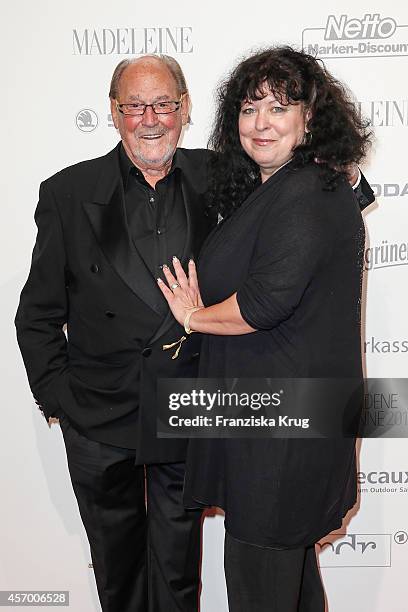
[174, 286]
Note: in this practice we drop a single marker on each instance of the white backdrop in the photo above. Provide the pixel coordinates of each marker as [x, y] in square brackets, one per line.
[57, 60]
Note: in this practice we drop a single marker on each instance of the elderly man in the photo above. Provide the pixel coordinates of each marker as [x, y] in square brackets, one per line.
[105, 227]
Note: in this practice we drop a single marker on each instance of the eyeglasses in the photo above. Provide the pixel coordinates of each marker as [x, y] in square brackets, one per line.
[160, 108]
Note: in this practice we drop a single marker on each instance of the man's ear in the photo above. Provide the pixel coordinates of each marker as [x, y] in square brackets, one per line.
[185, 108]
[114, 112]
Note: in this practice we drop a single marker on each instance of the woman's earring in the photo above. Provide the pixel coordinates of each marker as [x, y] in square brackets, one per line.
[307, 139]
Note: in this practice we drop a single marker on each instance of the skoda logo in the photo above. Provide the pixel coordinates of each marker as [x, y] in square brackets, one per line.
[86, 120]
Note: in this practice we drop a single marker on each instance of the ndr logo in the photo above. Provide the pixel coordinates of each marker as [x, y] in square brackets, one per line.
[355, 550]
[344, 36]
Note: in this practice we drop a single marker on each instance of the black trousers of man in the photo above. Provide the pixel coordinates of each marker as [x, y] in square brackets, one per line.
[145, 556]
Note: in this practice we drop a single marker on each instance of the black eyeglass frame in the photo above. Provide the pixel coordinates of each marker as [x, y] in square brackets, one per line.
[120, 107]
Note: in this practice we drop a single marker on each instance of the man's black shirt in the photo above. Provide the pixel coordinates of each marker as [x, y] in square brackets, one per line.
[156, 217]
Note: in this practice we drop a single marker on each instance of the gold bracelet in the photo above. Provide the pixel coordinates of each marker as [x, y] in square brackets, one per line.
[187, 328]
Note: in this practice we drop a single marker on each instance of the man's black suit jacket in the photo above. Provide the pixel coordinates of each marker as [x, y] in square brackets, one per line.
[87, 274]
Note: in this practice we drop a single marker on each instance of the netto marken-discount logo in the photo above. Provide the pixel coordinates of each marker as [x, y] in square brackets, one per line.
[132, 41]
[386, 255]
[370, 36]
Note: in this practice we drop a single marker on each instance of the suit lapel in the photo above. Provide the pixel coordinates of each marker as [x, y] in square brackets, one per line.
[198, 226]
[106, 214]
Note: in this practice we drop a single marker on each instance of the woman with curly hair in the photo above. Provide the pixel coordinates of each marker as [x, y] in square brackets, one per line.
[280, 277]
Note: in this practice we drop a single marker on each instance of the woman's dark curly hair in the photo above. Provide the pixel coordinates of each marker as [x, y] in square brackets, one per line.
[339, 135]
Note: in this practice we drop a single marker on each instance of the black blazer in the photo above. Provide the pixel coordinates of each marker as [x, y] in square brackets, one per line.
[87, 274]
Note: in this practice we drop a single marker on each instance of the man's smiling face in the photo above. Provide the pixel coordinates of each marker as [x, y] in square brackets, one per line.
[150, 140]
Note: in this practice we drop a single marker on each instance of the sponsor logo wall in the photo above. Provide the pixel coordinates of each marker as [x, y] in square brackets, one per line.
[60, 69]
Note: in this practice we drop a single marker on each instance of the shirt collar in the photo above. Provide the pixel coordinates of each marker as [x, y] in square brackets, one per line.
[127, 166]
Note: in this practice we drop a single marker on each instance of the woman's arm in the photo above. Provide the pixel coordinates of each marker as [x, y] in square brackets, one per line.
[295, 239]
[221, 319]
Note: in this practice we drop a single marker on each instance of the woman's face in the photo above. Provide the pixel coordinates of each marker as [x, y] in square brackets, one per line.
[269, 131]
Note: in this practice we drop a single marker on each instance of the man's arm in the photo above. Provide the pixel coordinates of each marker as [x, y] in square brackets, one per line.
[42, 311]
[363, 192]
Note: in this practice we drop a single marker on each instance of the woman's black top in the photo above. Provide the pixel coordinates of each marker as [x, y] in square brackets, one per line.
[293, 252]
